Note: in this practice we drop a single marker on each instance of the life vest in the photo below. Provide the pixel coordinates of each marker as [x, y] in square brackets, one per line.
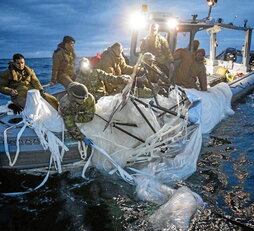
[95, 59]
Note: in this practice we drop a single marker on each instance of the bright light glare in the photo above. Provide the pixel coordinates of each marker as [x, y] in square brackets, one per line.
[137, 21]
[172, 23]
[85, 65]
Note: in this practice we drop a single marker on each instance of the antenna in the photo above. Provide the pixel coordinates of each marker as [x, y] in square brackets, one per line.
[234, 19]
[232, 23]
[210, 3]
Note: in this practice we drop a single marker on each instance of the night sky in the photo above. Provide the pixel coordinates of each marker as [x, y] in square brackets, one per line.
[34, 28]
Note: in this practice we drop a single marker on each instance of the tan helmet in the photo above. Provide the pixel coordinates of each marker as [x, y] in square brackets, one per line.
[117, 48]
[148, 57]
[77, 90]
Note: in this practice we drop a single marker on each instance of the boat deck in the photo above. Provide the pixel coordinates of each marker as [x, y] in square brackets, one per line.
[212, 80]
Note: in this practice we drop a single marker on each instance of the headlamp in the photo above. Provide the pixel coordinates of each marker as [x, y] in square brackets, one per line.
[85, 65]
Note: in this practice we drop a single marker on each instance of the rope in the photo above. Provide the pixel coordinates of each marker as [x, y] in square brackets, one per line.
[125, 175]
[12, 163]
[47, 139]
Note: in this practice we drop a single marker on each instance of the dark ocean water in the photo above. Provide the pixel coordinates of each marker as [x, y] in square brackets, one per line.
[224, 179]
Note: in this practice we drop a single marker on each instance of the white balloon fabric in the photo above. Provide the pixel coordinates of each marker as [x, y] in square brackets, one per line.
[163, 150]
[215, 103]
[39, 115]
[38, 108]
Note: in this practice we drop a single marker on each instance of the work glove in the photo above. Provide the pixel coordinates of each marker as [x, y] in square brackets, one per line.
[42, 92]
[88, 142]
[16, 108]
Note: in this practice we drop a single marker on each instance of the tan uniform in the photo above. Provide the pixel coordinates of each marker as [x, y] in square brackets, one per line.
[98, 81]
[159, 47]
[113, 64]
[22, 81]
[73, 113]
[198, 71]
[63, 69]
[188, 71]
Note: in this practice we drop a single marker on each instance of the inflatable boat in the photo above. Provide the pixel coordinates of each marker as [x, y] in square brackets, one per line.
[238, 76]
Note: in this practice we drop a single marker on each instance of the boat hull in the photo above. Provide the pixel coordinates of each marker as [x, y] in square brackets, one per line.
[32, 154]
[242, 86]
[37, 159]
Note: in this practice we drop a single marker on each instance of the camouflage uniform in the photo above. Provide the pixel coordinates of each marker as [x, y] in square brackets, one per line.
[22, 81]
[159, 47]
[143, 92]
[98, 80]
[63, 66]
[153, 78]
[73, 113]
[157, 76]
[113, 64]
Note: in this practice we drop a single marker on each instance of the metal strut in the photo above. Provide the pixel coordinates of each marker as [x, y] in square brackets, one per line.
[150, 84]
[181, 102]
[157, 107]
[114, 124]
[142, 114]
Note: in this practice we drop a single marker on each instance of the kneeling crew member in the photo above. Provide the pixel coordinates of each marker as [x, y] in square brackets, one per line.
[77, 106]
[98, 81]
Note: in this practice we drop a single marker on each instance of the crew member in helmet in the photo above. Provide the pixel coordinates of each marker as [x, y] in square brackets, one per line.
[159, 47]
[153, 80]
[63, 69]
[77, 106]
[97, 81]
[154, 73]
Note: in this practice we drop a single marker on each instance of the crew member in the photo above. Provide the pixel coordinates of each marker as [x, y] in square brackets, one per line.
[113, 62]
[77, 106]
[98, 81]
[18, 79]
[190, 69]
[155, 75]
[63, 69]
[159, 47]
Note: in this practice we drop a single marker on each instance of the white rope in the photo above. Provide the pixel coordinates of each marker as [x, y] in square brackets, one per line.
[62, 150]
[33, 117]
[82, 148]
[126, 176]
[12, 163]
[176, 91]
[87, 164]
[49, 141]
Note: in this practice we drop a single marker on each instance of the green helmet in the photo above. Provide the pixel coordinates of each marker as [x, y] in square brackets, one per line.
[77, 90]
